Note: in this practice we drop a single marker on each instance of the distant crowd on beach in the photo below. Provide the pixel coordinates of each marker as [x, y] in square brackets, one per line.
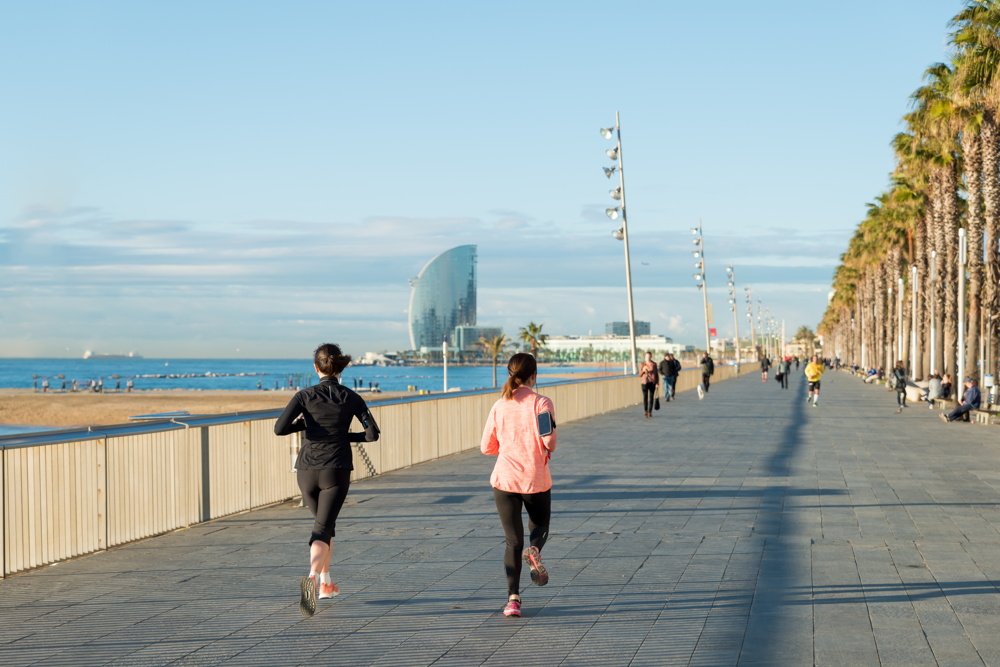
[95, 386]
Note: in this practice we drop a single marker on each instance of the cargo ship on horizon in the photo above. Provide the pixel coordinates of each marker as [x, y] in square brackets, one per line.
[104, 355]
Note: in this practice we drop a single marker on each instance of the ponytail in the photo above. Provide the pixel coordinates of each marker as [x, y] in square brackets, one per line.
[330, 360]
[520, 368]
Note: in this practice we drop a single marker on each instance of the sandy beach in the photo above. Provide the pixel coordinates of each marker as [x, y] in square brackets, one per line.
[23, 407]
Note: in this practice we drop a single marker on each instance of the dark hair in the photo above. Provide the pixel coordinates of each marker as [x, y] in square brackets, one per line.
[330, 360]
[520, 368]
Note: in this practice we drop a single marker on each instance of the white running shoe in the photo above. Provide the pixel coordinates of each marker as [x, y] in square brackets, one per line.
[701, 392]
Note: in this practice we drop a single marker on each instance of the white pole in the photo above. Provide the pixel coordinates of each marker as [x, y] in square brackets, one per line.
[913, 320]
[932, 296]
[963, 252]
[444, 355]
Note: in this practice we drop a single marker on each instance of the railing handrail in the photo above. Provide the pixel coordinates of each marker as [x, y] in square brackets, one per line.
[59, 436]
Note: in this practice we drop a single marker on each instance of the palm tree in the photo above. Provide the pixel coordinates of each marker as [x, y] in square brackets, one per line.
[533, 336]
[494, 347]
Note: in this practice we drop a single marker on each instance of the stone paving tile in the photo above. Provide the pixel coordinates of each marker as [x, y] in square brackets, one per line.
[748, 528]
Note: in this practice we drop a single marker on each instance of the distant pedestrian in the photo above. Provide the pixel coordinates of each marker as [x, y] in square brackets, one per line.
[34, 383]
[76, 385]
[521, 478]
[64, 385]
[946, 386]
[276, 387]
[669, 369]
[707, 371]
[814, 372]
[765, 366]
[259, 385]
[128, 385]
[45, 386]
[899, 380]
[784, 366]
[325, 413]
[649, 377]
[971, 401]
[118, 385]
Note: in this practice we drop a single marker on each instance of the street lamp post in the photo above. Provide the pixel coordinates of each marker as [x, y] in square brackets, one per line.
[622, 232]
[753, 334]
[736, 324]
[963, 253]
[933, 297]
[913, 321]
[699, 254]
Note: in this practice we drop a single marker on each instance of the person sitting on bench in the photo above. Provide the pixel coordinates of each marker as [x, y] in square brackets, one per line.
[970, 401]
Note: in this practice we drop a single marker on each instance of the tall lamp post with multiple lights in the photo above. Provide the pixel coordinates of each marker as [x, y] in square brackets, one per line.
[736, 323]
[753, 334]
[621, 233]
[699, 277]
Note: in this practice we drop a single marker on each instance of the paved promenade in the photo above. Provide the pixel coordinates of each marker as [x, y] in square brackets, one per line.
[748, 528]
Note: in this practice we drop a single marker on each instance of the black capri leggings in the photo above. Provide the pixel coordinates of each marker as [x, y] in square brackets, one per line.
[324, 492]
[648, 395]
[539, 506]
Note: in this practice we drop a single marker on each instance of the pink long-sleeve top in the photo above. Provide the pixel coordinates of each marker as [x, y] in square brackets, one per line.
[511, 434]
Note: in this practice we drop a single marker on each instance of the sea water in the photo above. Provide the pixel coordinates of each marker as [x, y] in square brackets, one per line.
[247, 375]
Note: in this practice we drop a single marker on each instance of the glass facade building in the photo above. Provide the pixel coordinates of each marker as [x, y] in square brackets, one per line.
[443, 297]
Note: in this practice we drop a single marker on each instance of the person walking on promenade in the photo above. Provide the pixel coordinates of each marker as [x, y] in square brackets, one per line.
[899, 379]
[971, 401]
[783, 369]
[325, 412]
[765, 365]
[650, 379]
[707, 371]
[518, 433]
[669, 369]
[813, 372]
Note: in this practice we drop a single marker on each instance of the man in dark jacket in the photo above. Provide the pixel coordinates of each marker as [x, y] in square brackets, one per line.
[669, 368]
[707, 371]
[971, 401]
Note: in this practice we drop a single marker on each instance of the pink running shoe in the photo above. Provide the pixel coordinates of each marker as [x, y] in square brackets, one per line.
[533, 558]
[327, 591]
[513, 608]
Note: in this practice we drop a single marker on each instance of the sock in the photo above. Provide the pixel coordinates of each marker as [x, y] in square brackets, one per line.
[324, 577]
[314, 575]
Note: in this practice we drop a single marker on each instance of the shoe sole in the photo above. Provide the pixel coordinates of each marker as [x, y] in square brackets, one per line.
[307, 604]
[539, 576]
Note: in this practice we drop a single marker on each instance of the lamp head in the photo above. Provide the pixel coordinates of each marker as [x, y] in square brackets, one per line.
[696, 254]
[612, 212]
[612, 153]
[619, 233]
[616, 193]
[607, 132]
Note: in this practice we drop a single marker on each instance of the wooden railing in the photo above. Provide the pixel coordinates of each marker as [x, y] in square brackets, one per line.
[74, 492]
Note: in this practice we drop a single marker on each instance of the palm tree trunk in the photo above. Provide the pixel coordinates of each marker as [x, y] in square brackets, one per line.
[974, 229]
[991, 214]
[919, 324]
[950, 278]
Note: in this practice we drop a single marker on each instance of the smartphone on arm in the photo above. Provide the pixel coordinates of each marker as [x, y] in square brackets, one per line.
[545, 423]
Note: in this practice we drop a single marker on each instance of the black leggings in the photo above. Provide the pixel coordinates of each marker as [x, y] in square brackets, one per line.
[539, 506]
[324, 492]
[901, 398]
[648, 394]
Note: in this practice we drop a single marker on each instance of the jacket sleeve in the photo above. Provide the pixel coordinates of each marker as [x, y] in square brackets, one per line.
[489, 444]
[367, 419]
[286, 424]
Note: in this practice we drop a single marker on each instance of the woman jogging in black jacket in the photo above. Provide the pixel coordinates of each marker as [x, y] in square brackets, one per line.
[325, 412]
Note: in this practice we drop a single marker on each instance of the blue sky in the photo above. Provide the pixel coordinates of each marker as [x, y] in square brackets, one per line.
[253, 178]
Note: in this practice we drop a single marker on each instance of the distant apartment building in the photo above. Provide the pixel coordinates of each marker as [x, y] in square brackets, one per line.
[443, 297]
[621, 329]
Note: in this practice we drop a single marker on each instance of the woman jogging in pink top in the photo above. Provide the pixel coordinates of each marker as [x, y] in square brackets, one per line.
[521, 476]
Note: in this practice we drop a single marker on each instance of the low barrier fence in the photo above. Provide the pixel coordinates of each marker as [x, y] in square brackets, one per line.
[74, 492]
